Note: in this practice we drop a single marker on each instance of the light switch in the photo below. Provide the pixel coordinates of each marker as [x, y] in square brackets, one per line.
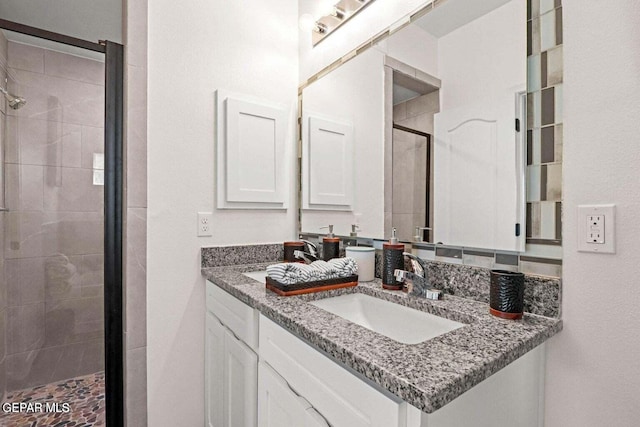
[596, 228]
[98, 161]
[98, 177]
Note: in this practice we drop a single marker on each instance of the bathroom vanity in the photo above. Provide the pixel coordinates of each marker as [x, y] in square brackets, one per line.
[285, 361]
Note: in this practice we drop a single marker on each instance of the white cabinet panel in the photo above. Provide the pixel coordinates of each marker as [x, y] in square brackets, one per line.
[240, 383]
[341, 397]
[251, 153]
[214, 364]
[512, 396]
[278, 405]
[233, 313]
[231, 378]
[314, 419]
[327, 164]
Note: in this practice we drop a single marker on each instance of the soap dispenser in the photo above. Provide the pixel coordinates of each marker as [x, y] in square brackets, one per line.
[330, 245]
[392, 260]
[354, 230]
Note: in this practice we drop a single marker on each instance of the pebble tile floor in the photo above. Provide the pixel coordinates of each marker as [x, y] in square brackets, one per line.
[85, 396]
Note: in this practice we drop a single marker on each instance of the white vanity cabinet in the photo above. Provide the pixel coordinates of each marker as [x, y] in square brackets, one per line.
[231, 364]
[260, 374]
[338, 396]
[512, 396]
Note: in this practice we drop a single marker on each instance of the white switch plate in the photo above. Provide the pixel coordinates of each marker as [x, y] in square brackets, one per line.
[596, 229]
[205, 221]
[98, 177]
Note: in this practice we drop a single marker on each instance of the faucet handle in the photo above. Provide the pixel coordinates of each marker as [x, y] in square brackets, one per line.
[433, 294]
[419, 266]
[418, 236]
[311, 247]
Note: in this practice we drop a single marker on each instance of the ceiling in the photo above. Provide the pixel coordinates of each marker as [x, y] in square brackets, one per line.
[406, 87]
[453, 14]
[90, 20]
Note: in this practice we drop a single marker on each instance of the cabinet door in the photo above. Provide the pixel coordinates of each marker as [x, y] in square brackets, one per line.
[314, 419]
[240, 383]
[278, 405]
[214, 367]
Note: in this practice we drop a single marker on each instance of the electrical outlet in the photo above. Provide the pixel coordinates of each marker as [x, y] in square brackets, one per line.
[205, 221]
[596, 228]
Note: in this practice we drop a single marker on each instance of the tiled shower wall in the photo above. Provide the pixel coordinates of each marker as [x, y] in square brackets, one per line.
[3, 293]
[544, 121]
[135, 26]
[409, 162]
[54, 228]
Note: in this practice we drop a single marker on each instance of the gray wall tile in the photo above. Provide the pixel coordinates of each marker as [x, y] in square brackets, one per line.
[136, 275]
[136, 387]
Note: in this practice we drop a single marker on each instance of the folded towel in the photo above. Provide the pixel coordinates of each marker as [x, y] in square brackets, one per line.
[291, 273]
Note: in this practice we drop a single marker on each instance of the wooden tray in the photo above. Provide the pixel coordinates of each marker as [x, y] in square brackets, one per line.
[310, 287]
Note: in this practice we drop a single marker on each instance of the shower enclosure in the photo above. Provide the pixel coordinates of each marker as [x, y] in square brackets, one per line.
[60, 228]
[411, 164]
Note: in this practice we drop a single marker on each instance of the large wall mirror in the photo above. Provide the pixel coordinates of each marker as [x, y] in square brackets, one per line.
[424, 132]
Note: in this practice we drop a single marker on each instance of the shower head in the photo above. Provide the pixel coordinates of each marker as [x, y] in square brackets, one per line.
[14, 102]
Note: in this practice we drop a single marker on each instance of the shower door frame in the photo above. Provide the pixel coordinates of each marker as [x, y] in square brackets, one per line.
[113, 210]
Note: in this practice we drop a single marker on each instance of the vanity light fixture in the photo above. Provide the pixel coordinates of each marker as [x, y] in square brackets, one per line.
[332, 17]
[320, 28]
[308, 23]
[338, 13]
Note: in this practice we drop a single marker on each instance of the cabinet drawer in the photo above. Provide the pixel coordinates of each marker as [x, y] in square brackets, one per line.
[241, 319]
[340, 396]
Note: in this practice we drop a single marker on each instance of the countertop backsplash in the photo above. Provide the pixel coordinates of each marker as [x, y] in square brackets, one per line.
[542, 294]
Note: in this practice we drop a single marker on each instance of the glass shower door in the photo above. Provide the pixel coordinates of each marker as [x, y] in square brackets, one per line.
[53, 231]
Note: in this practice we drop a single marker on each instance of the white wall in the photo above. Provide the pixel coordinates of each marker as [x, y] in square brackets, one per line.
[593, 373]
[413, 46]
[195, 48]
[369, 22]
[354, 93]
[484, 58]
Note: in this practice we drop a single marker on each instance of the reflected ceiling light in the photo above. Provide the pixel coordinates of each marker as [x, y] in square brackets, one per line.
[333, 14]
[338, 13]
[320, 28]
[307, 22]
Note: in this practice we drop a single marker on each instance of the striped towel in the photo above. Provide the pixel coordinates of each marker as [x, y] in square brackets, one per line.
[291, 273]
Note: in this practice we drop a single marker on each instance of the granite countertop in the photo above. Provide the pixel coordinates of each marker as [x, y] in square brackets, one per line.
[427, 375]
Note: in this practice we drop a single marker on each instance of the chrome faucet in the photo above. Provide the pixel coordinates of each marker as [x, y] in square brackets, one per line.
[306, 256]
[417, 282]
[311, 248]
[310, 254]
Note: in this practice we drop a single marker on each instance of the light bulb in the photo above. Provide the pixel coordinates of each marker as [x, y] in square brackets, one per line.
[307, 22]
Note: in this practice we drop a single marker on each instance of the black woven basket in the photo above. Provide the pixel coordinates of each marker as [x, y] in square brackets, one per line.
[506, 295]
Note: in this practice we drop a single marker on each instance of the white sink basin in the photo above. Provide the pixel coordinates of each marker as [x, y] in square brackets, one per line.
[257, 275]
[400, 323]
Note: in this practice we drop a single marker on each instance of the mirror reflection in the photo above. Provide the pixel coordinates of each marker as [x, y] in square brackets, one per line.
[424, 132]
